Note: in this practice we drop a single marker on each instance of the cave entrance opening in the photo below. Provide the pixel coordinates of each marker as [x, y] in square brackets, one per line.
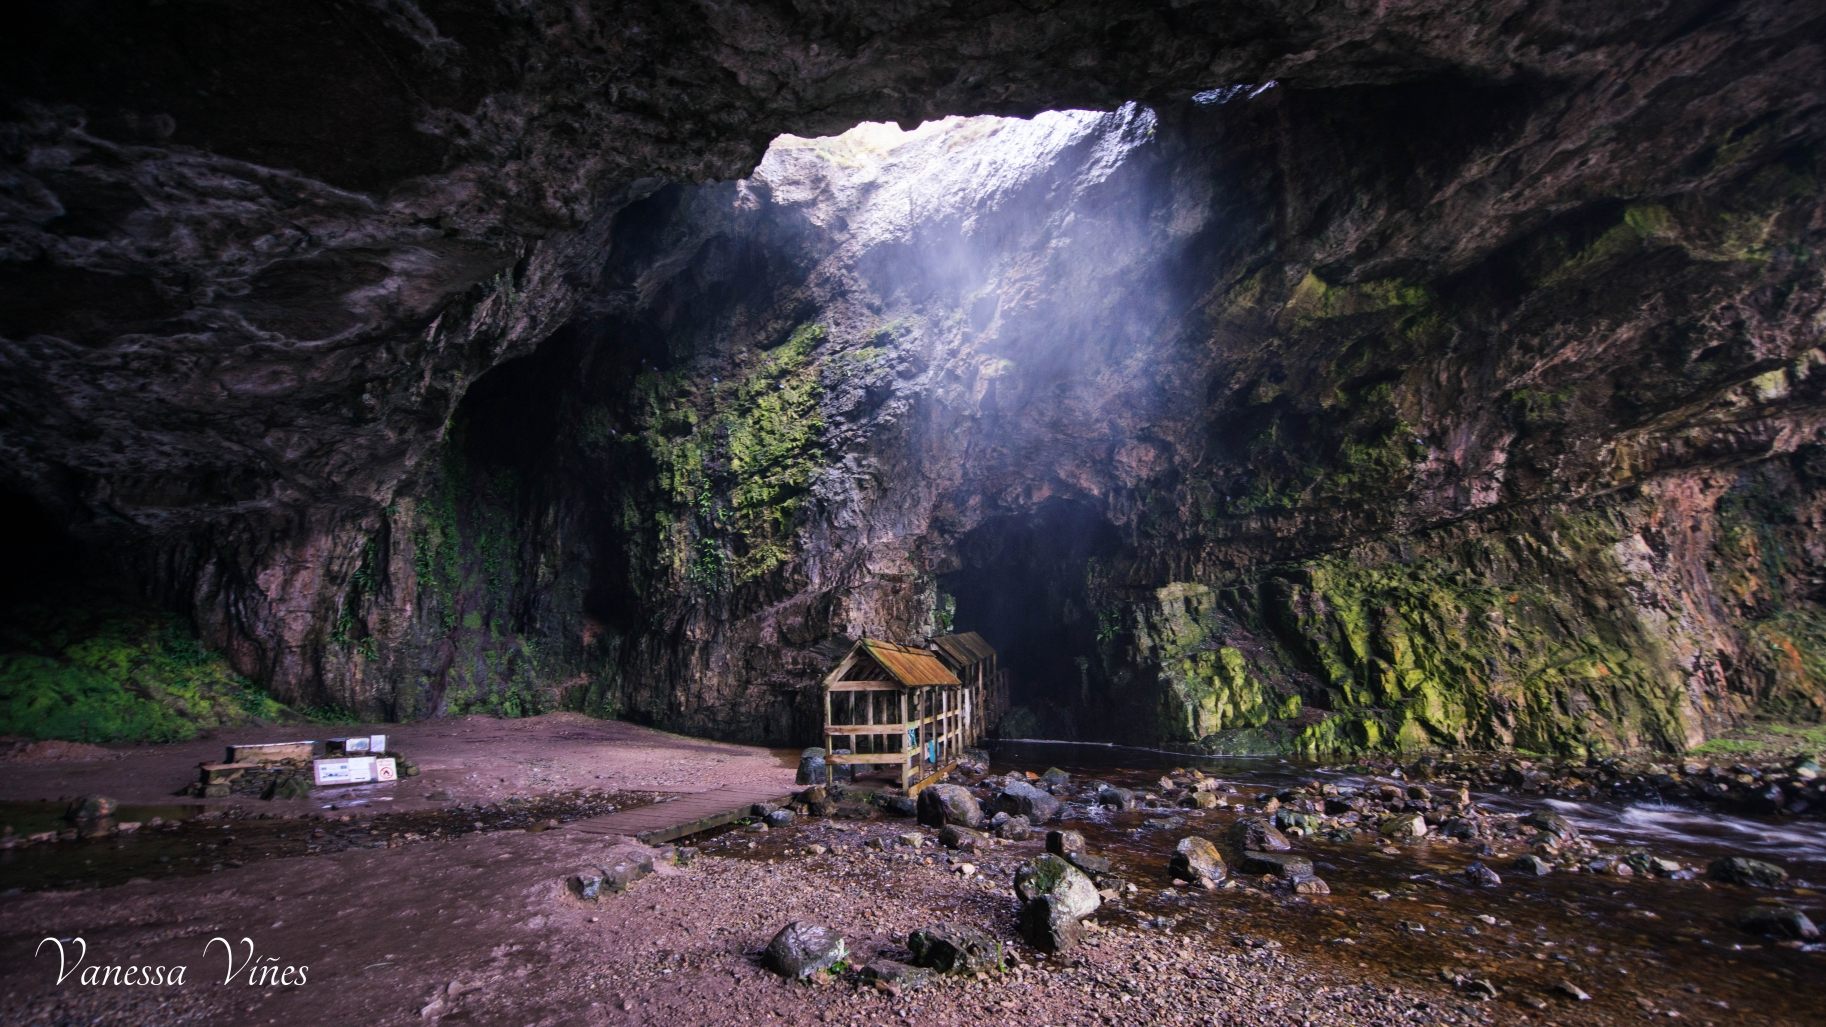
[1025, 584]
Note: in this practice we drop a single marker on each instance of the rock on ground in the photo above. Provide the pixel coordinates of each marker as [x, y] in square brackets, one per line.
[802, 949]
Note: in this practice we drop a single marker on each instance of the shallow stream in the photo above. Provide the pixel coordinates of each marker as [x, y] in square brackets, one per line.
[1641, 947]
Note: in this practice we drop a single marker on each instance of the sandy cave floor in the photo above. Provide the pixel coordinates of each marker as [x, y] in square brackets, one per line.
[481, 928]
[474, 759]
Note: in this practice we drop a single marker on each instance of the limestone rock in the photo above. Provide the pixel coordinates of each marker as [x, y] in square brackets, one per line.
[1026, 800]
[1196, 860]
[1011, 827]
[1532, 865]
[1283, 865]
[1258, 835]
[950, 948]
[892, 975]
[1405, 827]
[802, 949]
[1551, 823]
[943, 804]
[1064, 843]
[1048, 875]
[963, 839]
[1752, 872]
[1778, 921]
[1482, 876]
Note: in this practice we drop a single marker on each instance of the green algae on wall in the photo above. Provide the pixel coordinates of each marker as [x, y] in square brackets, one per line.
[466, 546]
[1522, 641]
[734, 462]
[110, 670]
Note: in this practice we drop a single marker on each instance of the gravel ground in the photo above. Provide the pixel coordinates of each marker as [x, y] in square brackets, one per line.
[483, 930]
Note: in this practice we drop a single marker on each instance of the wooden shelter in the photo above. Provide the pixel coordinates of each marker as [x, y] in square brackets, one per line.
[973, 660]
[897, 705]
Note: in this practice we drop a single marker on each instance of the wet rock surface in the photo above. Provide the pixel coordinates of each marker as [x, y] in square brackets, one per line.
[1500, 405]
[802, 949]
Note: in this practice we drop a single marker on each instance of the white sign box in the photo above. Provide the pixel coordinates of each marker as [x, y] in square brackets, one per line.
[385, 770]
[377, 743]
[353, 770]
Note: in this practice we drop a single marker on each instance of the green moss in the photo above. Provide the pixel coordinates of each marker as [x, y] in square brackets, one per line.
[1502, 642]
[112, 670]
[1314, 299]
[734, 463]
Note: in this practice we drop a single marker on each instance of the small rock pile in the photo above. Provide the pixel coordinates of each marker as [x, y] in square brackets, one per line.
[282, 779]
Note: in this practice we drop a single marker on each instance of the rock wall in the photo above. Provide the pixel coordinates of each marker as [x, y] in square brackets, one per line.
[1306, 379]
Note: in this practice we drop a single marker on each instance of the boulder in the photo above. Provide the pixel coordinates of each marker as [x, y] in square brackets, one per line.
[1047, 925]
[1116, 798]
[1090, 864]
[1196, 860]
[899, 805]
[949, 948]
[780, 818]
[1015, 828]
[1482, 876]
[1462, 828]
[949, 804]
[1199, 800]
[1751, 872]
[1310, 886]
[1055, 778]
[813, 795]
[1548, 822]
[92, 807]
[1026, 800]
[622, 875]
[1255, 834]
[1778, 922]
[811, 767]
[1050, 876]
[951, 836]
[802, 949]
[1064, 843]
[1286, 866]
[1532, 865]
[1294, 820]
[890, 975]
[1405, 827]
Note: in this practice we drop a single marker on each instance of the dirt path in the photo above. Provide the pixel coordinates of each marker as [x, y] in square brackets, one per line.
[472, 759]
[482, 930]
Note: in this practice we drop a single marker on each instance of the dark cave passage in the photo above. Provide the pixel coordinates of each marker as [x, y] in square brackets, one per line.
[1024, 588]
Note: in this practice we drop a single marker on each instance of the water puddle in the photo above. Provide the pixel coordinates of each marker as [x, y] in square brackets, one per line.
[185, 840]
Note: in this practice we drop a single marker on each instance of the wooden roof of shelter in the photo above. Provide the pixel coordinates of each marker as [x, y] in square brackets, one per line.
[964, 648]
[906, 666]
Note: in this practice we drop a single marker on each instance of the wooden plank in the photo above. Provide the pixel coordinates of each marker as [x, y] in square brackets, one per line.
[270, 752]
[921, 785]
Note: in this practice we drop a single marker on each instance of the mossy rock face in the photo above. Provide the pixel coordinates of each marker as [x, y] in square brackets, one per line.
[102, 669]
[1532, 638]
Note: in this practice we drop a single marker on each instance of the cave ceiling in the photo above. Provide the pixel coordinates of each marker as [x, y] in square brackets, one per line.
[254, 253]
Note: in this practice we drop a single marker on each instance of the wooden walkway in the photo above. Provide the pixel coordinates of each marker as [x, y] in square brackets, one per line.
[690, 813]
